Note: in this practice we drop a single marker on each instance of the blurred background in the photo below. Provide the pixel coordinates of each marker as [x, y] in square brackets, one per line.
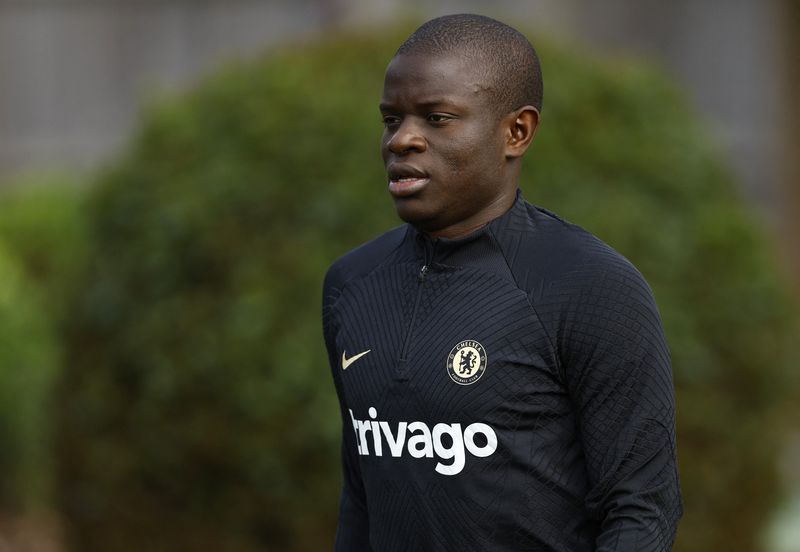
[168, 176]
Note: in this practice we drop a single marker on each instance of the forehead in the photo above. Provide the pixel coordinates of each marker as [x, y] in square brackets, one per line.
[420, 77]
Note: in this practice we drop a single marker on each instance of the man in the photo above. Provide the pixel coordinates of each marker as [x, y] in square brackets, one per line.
[503, 376]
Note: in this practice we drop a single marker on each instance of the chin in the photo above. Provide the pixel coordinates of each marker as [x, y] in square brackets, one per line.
[414, 211]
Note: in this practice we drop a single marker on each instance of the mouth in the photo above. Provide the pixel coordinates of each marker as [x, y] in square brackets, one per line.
[407, 186]
[405, 180]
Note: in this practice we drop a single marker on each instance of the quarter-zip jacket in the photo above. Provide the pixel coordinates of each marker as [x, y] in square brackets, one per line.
[514, 392]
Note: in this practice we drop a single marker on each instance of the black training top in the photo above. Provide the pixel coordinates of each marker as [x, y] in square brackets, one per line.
[509, 390]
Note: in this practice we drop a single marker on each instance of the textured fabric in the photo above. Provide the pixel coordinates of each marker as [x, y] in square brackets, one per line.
[516, 393]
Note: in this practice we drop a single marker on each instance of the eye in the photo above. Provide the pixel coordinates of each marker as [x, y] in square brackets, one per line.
[391, 120]
[439, 118]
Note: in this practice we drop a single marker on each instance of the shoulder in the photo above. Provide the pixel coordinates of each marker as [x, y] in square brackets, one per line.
[591, 300]
[548, 251]
[364, 259]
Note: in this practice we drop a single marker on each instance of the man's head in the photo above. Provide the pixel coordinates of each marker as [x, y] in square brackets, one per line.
[461, 104]
[508, 61]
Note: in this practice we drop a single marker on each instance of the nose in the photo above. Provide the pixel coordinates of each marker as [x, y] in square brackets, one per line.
[406, 138]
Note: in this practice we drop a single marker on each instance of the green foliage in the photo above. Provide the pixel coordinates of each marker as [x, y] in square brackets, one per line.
[41, 247]
[197, 408]
[42, 222]
[26, 370]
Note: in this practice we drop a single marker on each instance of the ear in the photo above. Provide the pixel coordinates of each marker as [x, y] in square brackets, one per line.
[520, 127]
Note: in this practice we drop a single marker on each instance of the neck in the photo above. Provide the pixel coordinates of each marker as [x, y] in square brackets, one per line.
[497, 208]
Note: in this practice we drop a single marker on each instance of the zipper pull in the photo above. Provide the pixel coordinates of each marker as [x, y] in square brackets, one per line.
[422, 272]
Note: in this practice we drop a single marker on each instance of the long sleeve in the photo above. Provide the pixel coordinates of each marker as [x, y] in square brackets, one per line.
[352, 533]
[617, 367]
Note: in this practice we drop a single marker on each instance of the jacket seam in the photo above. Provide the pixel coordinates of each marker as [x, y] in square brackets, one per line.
[556, 354]
[370, 271]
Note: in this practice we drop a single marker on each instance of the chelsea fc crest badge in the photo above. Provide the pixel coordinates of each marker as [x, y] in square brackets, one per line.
[466, 362]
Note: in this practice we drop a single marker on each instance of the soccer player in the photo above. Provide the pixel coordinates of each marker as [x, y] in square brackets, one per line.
[503, 376]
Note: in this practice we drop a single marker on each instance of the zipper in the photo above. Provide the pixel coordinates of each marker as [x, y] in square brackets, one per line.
[420, 285]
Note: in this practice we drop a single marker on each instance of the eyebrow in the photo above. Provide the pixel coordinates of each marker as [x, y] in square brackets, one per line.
[431, 103]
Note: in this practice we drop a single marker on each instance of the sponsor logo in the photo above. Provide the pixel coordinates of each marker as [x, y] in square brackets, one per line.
[348, 361]
[447, 442]
[466, 362]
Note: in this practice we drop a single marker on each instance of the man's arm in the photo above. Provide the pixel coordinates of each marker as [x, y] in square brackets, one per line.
[618, 371]
[352, 533]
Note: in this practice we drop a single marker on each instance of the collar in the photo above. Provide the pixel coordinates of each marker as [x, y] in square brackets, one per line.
[469, 249]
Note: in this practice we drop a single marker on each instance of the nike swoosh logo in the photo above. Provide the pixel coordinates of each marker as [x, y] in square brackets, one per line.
[348, 361]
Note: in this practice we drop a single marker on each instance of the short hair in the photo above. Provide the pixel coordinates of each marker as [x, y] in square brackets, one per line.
[509, 59]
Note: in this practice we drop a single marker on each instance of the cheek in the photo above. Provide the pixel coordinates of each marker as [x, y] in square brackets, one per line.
[463, 149]
[471, 157]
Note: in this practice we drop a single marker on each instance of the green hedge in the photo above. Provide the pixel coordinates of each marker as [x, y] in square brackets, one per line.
[42, 247]
[197, 408]
[43, 224]
[27, 363]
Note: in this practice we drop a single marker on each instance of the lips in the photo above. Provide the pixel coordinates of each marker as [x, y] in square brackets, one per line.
[406, 180]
